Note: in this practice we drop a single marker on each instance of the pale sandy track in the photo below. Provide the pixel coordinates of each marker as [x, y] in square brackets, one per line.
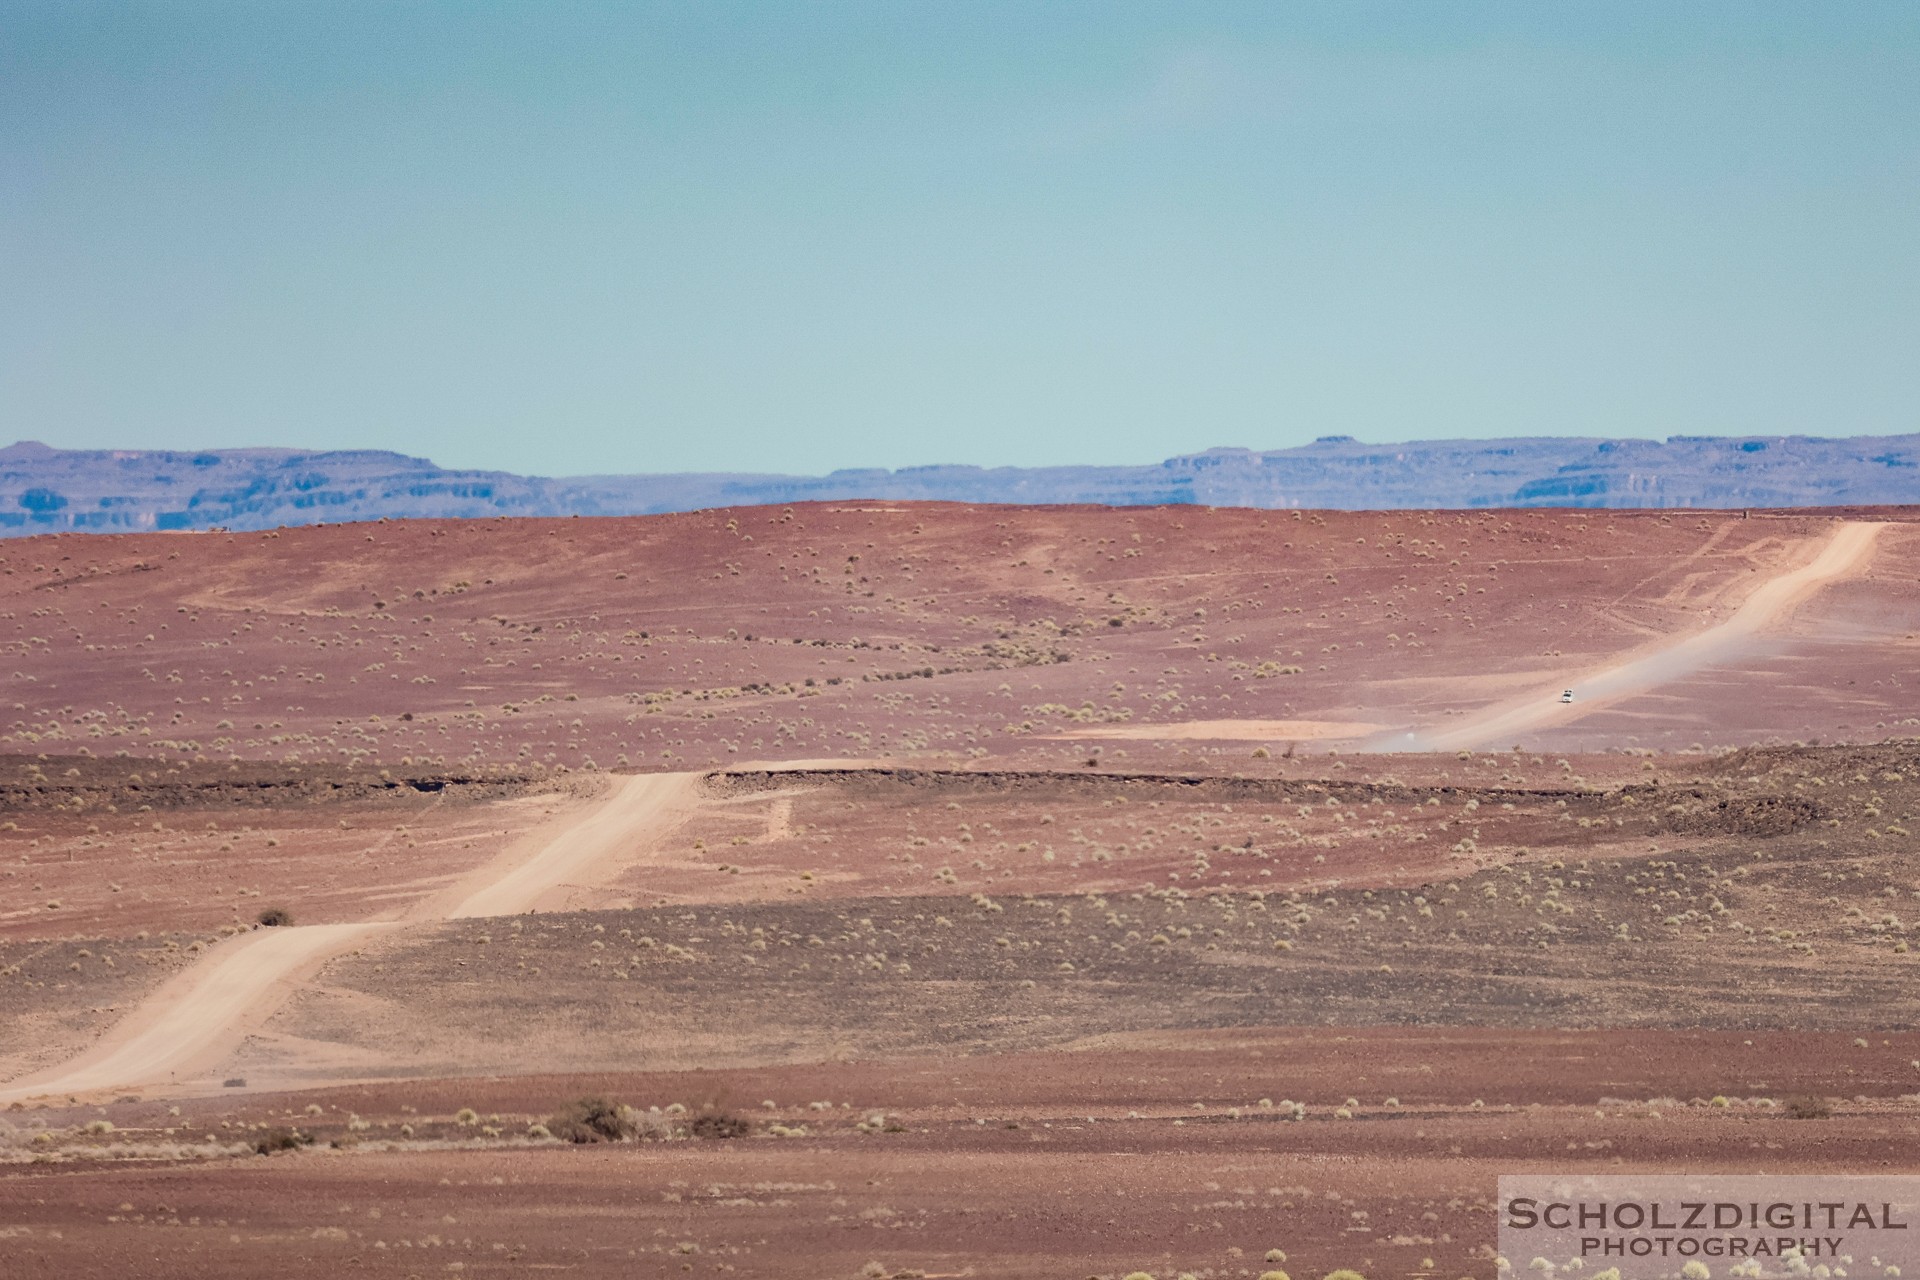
[193, 1020]
[198, 1012]
[1845, 554]
[1221, 731]
[579, 857]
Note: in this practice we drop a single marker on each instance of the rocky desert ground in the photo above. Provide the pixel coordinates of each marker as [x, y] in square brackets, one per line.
[923, 889]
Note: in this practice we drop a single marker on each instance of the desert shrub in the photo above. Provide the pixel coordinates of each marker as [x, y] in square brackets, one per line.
[1807, 1107]
[281, 1140]
[1343, 1274]
[592, 1120]
[275, 917]
[720, 1124]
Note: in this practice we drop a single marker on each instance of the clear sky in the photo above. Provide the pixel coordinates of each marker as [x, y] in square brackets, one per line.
[563, 238]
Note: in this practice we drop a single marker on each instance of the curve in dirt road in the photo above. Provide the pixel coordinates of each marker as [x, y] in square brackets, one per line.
[199, 1015]
[1846, 553]
[197, 1011]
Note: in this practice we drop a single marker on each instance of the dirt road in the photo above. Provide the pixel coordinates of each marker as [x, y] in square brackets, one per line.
[1221, 731]
[192, 1021]
[200, 1010]
[1845, 554]
[580, 856]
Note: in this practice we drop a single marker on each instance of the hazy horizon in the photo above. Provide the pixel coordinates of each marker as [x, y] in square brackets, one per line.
[297, 449]
[621, 239]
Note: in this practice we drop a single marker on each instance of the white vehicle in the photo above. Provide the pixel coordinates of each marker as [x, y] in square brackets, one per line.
[1566, 695]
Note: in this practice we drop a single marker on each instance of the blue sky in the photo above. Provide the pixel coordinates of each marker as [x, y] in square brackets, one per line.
[569, 238]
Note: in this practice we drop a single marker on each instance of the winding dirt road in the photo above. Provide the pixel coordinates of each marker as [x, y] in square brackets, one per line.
[196, 1018]
[1844, 555]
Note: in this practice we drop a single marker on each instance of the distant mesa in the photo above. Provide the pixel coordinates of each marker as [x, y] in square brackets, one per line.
[43, 489]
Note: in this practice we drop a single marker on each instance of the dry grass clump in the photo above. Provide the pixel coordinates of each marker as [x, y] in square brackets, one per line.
[597, 1119]
[586, 1120]
[881, 1271]
[719, 1124]
[281, 1139]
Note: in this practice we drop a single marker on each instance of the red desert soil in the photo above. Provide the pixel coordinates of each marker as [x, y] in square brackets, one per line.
[1156, 1157]
[99, 848]
[1025, 860]
[816, 905]
[932, 631]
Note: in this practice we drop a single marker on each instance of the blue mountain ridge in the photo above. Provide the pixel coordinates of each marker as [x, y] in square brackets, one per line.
[43, 489]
